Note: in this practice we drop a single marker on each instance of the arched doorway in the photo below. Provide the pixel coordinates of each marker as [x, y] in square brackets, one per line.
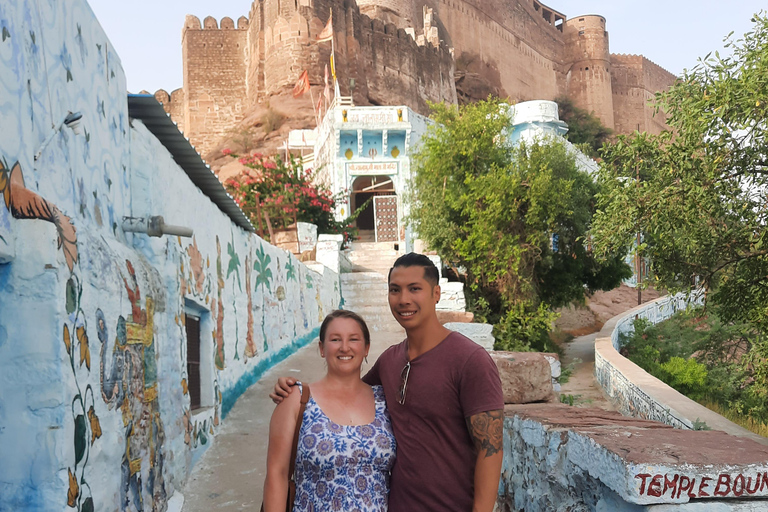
[364, 188]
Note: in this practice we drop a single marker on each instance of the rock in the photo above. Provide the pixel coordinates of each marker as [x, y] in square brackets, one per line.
[479, 333]
[526, 377]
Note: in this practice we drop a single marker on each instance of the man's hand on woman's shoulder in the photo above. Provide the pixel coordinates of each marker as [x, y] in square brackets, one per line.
[283, 388]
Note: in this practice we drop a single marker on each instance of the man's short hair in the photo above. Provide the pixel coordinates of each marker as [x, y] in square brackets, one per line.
[414, 259]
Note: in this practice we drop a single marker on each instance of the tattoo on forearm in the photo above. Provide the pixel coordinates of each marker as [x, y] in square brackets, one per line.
[487, 431]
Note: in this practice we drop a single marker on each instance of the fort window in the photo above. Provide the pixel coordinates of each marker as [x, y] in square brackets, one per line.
[581, 19]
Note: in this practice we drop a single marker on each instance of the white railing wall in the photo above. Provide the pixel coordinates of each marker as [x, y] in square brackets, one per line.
[639, 394]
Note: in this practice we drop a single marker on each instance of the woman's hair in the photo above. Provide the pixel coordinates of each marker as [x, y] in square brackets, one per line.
[343, 313]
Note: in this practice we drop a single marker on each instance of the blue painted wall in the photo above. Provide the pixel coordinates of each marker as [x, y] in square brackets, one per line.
[94, 392]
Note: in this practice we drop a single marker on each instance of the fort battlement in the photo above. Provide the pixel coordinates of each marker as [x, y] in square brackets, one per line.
[407, 52]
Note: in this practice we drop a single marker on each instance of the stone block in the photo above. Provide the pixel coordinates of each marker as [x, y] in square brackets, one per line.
[307, 236]
[526, 377]
[452, 296]
[462, 317]
[479, 333]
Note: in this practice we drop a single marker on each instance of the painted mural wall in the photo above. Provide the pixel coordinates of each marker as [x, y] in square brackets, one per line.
[95, 385]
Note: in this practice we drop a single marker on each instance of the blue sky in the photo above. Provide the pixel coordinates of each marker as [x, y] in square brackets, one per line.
[672, 33]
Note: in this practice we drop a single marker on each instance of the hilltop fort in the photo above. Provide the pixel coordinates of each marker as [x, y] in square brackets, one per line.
[408, 52]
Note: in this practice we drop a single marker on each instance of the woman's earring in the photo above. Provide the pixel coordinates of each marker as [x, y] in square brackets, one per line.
[366, 359]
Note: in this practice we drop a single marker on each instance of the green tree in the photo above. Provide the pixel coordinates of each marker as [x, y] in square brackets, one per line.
[514, 217]
[700, 201]
[584, 128]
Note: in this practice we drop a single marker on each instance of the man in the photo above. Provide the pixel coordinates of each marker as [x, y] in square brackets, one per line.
[444, 397]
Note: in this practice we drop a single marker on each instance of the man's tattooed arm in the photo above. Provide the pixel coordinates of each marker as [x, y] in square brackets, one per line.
[487, 432]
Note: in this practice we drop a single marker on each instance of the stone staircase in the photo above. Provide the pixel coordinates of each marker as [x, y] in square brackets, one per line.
[364, 290]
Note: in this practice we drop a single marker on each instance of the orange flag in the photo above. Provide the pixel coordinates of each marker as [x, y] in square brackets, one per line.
[302, 84]
[327, 33]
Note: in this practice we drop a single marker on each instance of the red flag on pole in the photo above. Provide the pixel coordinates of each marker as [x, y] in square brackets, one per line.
[302, 84]
[327, 33]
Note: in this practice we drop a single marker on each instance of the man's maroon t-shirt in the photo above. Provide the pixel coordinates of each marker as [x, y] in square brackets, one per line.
[435, 464]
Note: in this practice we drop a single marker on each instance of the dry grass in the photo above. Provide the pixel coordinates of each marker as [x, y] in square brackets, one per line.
[272, 120]
[741, 420]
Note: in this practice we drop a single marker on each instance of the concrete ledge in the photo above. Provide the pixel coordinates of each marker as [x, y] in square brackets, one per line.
[558, 457]
[639, 394]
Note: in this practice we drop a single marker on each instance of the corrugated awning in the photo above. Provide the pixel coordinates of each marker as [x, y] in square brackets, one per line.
[150, 112]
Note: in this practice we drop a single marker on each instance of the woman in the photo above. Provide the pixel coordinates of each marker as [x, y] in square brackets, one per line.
[346, 446]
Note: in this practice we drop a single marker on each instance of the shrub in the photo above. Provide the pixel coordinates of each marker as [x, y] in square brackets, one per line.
[272, 120]
[287, 193]
[687, 376]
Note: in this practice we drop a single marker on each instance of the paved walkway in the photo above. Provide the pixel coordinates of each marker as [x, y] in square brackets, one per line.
[230, 475]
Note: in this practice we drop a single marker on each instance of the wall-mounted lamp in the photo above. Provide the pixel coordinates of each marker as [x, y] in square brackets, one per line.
[154, 226]
[351, 85]
[71, 120]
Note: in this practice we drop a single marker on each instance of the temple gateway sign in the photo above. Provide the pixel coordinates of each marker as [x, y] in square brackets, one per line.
[371, 168]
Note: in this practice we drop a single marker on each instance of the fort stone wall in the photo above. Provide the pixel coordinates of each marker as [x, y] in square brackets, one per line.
[508, 43]
[407, 52]
[635, 81]
[215, 64]
[588, 73]
[394, 67]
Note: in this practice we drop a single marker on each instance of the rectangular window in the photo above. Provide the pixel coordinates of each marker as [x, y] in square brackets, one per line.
[193, 360]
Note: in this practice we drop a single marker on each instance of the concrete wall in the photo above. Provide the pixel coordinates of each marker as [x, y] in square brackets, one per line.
[94, 386]
[561, 458]
[638, 394]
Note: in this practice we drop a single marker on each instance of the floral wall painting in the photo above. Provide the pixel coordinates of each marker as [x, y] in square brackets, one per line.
[234, 269]
[218, 334]
[25, 204]
[87, 427]
[250, 345]
[196, 266]
[263, 282]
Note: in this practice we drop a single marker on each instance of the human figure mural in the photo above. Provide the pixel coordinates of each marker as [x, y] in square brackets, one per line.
[128, 375]
[25, 204]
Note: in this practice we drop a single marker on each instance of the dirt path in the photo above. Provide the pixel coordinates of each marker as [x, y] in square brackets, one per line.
[582, 385]
[585, 322]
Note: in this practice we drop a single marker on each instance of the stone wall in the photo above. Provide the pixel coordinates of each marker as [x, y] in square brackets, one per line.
[588, 63]
[508, 43]
[95, 387]
[635, 81]
[402, 52]
[215, 94]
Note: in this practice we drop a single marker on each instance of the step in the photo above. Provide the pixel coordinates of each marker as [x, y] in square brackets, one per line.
[381, 246]
[359, 277]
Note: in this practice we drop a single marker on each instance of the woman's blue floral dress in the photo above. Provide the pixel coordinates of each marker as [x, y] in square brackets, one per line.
[341, 467]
